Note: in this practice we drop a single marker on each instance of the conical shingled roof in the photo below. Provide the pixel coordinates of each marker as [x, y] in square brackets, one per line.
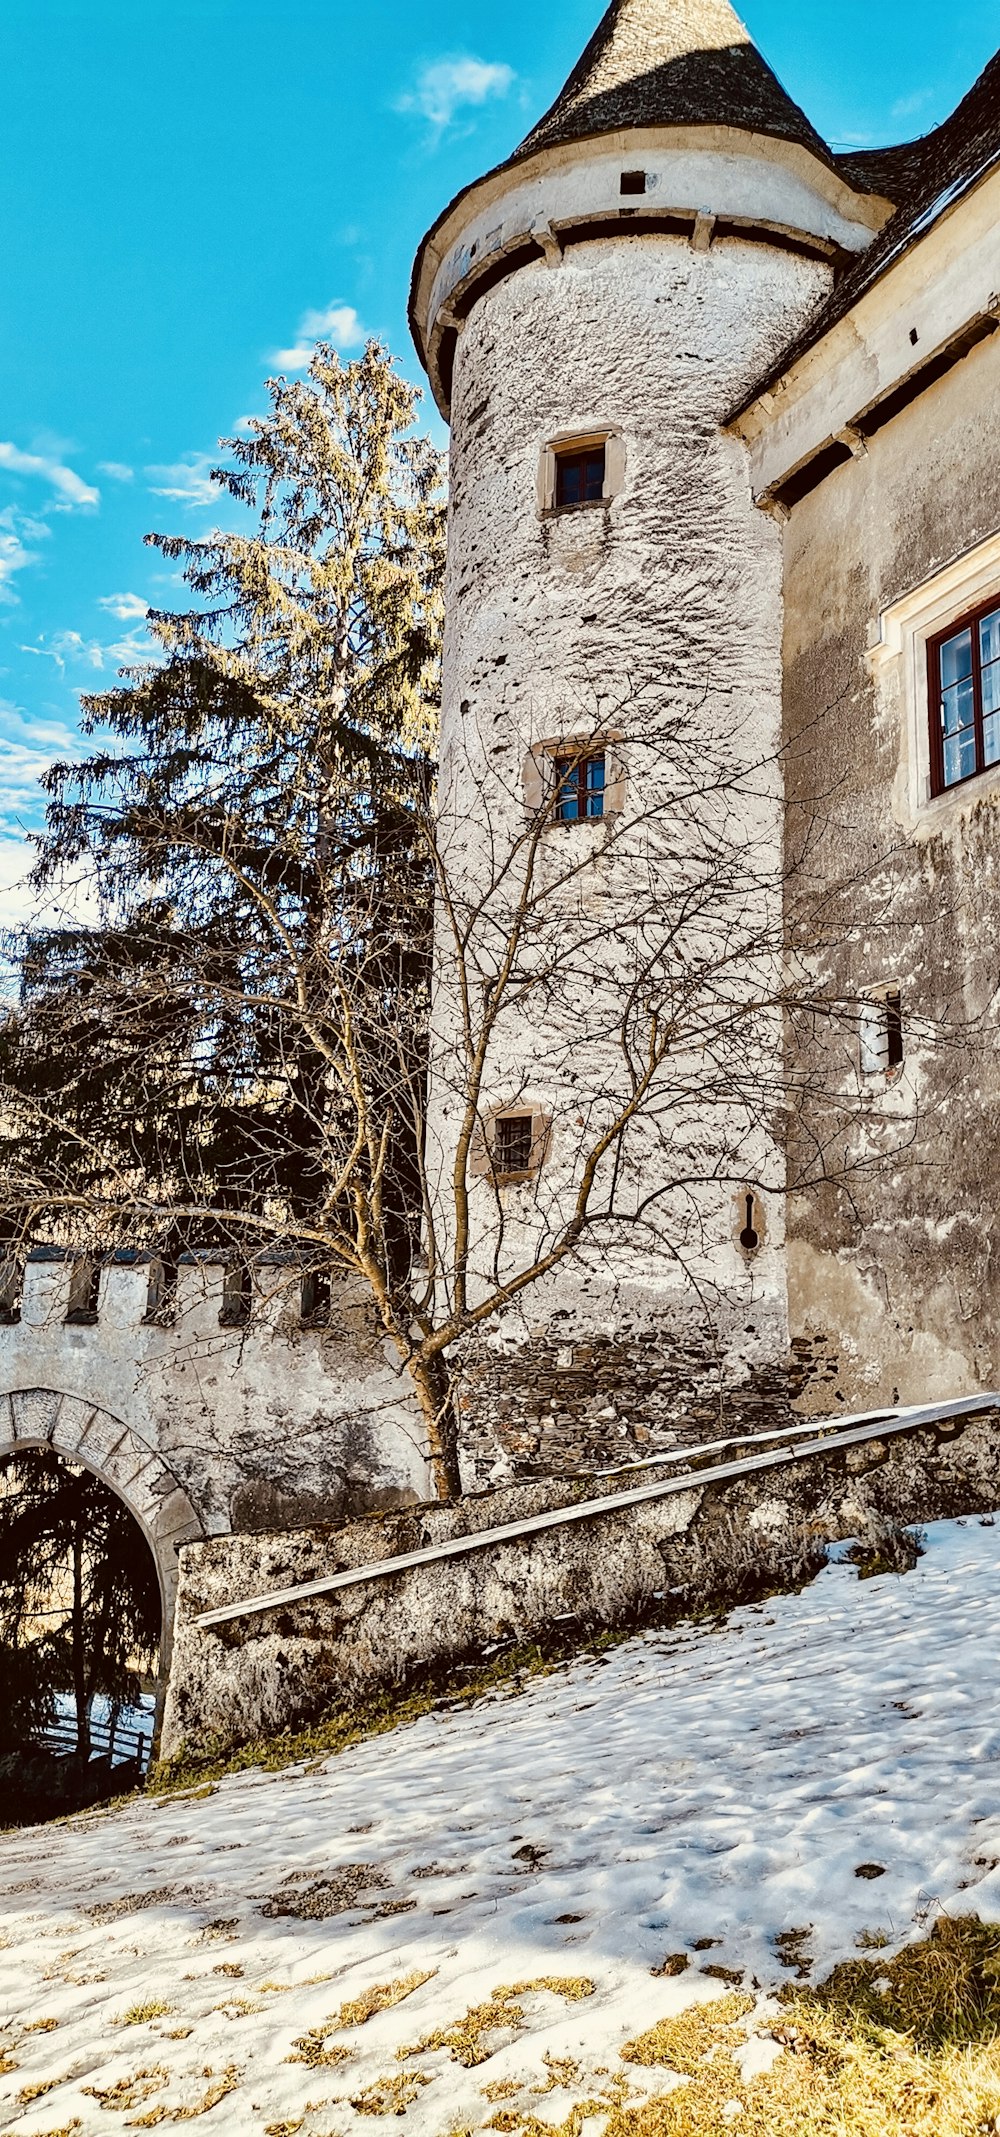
[671, 63]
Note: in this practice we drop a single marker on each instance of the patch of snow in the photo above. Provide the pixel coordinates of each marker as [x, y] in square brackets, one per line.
[699, 1784]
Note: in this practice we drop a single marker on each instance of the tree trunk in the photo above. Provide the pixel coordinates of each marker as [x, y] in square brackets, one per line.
[432, 1381]
[79, 1654]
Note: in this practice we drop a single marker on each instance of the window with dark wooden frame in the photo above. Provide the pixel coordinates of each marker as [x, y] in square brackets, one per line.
[513, 1144]
[964, 697]
[580, 788]
[580, 475]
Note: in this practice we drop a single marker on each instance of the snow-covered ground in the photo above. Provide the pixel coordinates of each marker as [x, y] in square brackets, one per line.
[702, 1793]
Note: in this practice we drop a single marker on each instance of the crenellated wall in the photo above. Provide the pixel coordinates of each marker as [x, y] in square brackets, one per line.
[200, 1427]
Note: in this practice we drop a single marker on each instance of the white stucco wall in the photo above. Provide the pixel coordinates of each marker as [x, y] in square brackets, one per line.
[656, 613]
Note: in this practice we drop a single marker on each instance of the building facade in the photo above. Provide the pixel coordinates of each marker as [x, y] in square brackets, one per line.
[723, 496]
[719, 780]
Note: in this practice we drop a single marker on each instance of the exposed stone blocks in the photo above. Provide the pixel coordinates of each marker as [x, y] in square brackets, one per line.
[708, 1541]
[35, 1413]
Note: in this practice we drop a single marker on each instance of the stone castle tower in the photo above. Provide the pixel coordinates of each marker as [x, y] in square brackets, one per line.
[589, 314]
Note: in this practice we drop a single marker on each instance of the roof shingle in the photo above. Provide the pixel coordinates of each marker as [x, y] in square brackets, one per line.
[671, 63]
[923, 177]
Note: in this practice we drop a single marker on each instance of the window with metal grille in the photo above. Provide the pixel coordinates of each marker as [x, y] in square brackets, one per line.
[512, 1147]
[580, 787]
[580, 475]
[964, 695]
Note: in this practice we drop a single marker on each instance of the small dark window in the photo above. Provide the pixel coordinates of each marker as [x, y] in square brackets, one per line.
[580, 476]
[894, 1030]
[964, 693]
[633, 181]
[750, 1236]
[237, 1297]
[316, 1298]
[882, 1034]
[84, 1293]
[580, 788]
[512, 1150]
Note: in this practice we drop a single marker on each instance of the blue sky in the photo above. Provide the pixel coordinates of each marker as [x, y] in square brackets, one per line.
[188, 187]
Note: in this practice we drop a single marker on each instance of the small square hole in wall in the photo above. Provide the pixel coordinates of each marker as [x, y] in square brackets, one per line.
[633, 182]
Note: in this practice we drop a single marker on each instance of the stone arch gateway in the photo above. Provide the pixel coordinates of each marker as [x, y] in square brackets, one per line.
[135, 1471]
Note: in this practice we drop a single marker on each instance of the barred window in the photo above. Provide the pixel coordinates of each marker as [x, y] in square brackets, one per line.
[512, 1149]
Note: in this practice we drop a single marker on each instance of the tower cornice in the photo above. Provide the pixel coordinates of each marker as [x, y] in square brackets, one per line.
[545, 199]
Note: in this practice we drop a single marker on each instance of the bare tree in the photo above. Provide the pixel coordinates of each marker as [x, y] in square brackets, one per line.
[632, 993]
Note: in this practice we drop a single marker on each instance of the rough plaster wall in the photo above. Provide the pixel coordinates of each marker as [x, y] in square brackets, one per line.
[895, 1272]
[276, 1424]
[673, 588]
[286, 1669]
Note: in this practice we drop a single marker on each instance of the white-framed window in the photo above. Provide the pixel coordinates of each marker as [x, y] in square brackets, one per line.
[575, 779]
[939, 688]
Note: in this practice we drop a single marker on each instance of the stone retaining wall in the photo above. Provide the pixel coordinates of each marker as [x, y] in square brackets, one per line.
[286, 1668]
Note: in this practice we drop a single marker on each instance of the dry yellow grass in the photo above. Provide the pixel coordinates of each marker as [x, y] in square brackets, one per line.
[382, 1997]
[391, 2095]
[471, 2039]
[140, 2014]
[908, 2047]
[223, 2085]
[129, 2092]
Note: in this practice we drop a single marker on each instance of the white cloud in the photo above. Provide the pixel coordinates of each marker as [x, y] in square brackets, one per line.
[445, 86]
[132, 651]
[71, 902]
[127, 608]
[907, 107]
[68, 486]
[187, 481]
[69, 649]
[14, 554]
[116, 470]
[339, 323]
[17, 902]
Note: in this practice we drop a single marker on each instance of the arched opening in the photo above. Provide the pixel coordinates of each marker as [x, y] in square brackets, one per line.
[81, 1629]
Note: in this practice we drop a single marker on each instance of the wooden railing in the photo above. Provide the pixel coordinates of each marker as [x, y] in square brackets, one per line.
[116, 1740]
